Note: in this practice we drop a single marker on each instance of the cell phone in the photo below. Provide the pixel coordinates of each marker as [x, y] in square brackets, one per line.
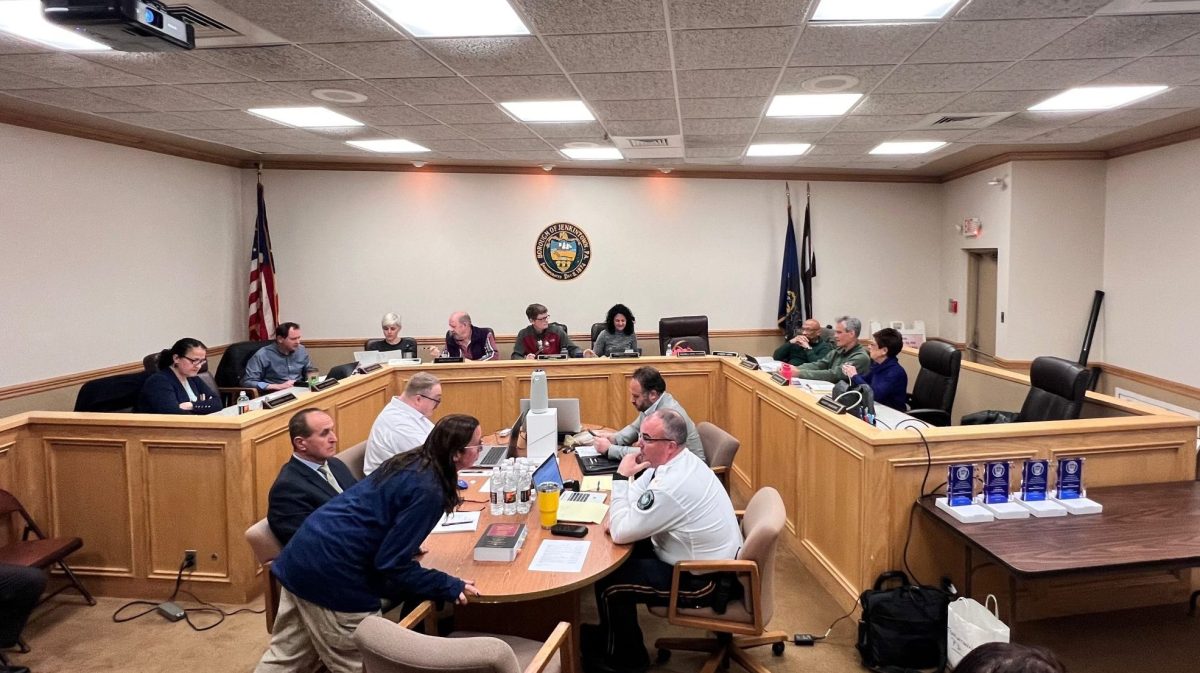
[569, 530]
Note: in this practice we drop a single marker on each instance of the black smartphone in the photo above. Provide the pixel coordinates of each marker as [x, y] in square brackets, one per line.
[569, 529]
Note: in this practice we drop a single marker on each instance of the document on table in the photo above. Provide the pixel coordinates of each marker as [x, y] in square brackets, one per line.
[581, 512]
[560, 556]
[457, 522]
[601, 482]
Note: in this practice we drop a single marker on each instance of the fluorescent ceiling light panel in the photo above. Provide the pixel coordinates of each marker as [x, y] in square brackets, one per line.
[23, 18]
[882, 10]
[453, 18]
[549, 111]
[592, 153]
[306, 117]
[395, 145]
[812, 104]
[777, 149]
[910, 147]
[1098, 97]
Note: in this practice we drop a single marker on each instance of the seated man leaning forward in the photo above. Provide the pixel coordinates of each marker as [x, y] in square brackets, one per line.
[310, 478]
[543, 338]
[847, 351]
[676, 511]
[466, 340]
[404, 423]
[648, 393]
[278, 365]
[805, 347]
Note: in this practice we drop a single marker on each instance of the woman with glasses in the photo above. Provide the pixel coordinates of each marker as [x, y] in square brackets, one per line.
[176, 388]
[362, 546]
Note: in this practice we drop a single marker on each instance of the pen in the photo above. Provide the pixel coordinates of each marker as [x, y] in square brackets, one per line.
[591, 432]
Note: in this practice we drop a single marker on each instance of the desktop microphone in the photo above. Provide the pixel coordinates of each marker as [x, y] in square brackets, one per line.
[538, 395]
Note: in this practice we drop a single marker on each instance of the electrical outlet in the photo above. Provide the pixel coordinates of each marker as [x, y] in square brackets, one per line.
[189, 558]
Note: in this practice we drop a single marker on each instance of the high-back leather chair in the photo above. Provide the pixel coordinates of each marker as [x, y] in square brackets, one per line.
[744, 622]
[233, 366]
[597, 328]
[682, 326]
[1057, 390]
[932, 398]
[266, 548]
[720, 447]
[354, 458]
[407, 345]
[117, 393]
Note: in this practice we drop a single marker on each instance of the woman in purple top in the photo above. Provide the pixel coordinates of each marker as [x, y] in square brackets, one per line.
[888, 380]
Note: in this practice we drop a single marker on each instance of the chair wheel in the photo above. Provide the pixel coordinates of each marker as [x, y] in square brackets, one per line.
[777, 649]
[664, 655]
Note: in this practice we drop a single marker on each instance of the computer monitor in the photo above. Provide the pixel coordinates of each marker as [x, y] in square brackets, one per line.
[568, 413]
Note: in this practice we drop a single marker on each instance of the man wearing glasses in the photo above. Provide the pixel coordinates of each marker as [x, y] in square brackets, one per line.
[542, 338]
[847, 351]
[404, 423]
[676, 510]
[648, 393]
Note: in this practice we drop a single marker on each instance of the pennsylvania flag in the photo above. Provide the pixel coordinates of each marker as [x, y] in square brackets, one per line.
[791, 294]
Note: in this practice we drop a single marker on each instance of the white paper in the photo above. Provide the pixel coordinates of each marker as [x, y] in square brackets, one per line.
[457, 522]
[586, 451]
[560, 556]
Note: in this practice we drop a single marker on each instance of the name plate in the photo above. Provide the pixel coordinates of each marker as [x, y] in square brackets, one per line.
[327, 383]
[552, 356]
[690, 354]
[831, 404]
[372, 368]
[273, 402]
[445, 359]
[780, 379]
[960, 484]
[752, 365]
[995, 482]
[1033, 480]
[727, 354]
[625, 354]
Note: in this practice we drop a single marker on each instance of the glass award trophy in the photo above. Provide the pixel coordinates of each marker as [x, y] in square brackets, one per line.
[1034, 478]
[960, 491]
[1068, 488]
[996, 497]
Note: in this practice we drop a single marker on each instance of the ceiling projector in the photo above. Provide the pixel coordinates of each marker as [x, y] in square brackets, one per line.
[124, 25]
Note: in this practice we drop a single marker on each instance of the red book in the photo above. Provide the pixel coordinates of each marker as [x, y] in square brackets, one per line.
[500, 542]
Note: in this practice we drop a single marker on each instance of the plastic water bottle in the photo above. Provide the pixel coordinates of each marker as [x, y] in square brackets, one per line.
[524, 495]
[243, 402]
[497, 488]
[510, 491]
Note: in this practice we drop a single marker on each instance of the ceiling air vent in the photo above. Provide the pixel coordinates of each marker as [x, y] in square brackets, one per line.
[961, 120]
[649, 147]
[649, 142]
[216, 26]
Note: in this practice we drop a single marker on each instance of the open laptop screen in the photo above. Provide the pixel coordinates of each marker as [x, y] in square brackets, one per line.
[548, 471]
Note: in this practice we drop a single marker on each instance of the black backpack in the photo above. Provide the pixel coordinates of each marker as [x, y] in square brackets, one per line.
[902, 628]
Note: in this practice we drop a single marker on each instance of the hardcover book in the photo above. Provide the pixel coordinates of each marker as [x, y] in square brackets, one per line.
[500, 542]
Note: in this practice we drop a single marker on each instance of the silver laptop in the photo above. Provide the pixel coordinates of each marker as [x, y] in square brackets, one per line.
[492, 456]
[568, 413]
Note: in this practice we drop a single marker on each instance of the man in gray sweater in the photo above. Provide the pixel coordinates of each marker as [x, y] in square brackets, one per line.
[648, 393]
[846, 350]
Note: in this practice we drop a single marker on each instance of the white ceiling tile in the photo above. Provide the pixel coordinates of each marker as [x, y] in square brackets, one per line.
[228, 119]
[872, 137]
[1009, 40]
[1001, 135]
[1073, 135]
[625, 85]
[1047, 75]
[1170, 70]
[234, 138]
[458, 146]
[1188, 47]
[878, 123]
[518, 145]
[272, 63]
[431, 90]
[769, 138]
[286, 136]
[939, 77]
[526, 87]
[1028, 9]
[711, 108]
[159, 97]
[727, 83]
[485, 113]
[537, 157]
[303, 89]
[491, 56]
[870, 44]
[646, 127]
[1041, 121]
[78, 99]
[15, 80]
[488, 131]
[611, 52]
[732, 48]
[580, 130]
[634, 110]
[1108, 36]
[903, 103]
[712, 127]
[797, 124]
[736, 13]
[719, 140]
[385, 115]
[422, 132]
[932, 134]
[246, 94]
[271, 148]
[67, 70]
[165, 67]
[344, 133]
[155, 120]
[1175, 97]
[712, 152]
[10, 44]
[308, 21]
[841, 149]
[380, 60]
[550, 17]
[1126, 117]
[818, 79]
[998, 101]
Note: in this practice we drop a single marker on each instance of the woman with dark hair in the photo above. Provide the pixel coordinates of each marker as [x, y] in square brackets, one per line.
[176, 388]
[618, 335]
[362, 545]
[1009, 658]
[888, 380]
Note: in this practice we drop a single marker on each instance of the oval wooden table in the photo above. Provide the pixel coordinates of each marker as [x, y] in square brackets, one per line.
[514, 600]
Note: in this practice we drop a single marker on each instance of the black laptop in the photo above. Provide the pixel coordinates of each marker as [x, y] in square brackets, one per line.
[593, 465]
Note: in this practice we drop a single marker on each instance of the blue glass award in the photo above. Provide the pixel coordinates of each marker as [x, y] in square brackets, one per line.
[1069, 484]
[960, 484]
[995, 482]
[1033, 480]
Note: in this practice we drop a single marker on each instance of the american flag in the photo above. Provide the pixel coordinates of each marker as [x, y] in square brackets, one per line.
[264, 300]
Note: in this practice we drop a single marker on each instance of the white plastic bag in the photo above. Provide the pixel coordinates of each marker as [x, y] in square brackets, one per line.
[969, 625]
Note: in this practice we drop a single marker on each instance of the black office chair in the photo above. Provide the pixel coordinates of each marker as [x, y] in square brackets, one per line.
[407, 345]
[597, 328]
[116, 394]
[932, 398]
[670, 329]
[342, 371]
[1057, 389]
[233, 366]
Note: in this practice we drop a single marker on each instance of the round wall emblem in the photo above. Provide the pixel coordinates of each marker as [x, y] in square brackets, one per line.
[562, 251]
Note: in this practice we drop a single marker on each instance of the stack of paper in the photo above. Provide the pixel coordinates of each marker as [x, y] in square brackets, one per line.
[600, 482]
[457, 522]
[581, 512]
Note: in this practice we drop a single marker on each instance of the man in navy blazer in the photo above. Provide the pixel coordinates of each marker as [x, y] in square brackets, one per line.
[311, 478]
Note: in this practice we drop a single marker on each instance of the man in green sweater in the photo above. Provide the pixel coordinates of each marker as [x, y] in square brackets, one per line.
[805, 347]
[847, 351]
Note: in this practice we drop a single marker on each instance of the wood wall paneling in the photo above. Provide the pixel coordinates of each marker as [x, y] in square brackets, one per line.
[269, 451]
[90, 498]
[778, 454]
[736, 416]
[834, 490]
[591, 388]
[186, 507]
[479, 396]
[354, 415]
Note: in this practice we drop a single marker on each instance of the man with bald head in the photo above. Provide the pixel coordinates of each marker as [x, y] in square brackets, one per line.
[805, 347]
[467, 341]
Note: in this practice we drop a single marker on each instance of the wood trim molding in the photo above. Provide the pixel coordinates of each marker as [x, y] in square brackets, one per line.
[1058, 155]
[67, 380]
[1155, 143]
[1154, 381]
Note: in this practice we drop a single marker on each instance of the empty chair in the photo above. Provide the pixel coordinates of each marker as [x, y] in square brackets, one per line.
[744, 623]
[353, 458]
[233, 366]
[266, 548]
[932, 397]
[35, 550]
[669, 329]
[720, 447]
[1057, 389]
[388, 647]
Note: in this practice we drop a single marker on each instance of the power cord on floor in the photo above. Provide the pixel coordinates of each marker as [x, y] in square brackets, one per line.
[174, 612]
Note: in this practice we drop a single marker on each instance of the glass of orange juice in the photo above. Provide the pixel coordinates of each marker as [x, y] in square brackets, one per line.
[547, 502]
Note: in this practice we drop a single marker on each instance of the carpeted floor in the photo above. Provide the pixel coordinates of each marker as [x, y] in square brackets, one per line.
[68, 636]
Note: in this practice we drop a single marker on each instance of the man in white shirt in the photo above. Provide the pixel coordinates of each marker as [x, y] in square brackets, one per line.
[676, 510]
[404, 423]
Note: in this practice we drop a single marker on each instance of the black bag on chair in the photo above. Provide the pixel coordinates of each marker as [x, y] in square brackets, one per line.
[902, 628]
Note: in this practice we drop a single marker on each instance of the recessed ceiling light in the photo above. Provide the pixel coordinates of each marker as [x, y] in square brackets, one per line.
[882, 10]
[338, 95]
[1098, 97]
[812, 104]
[453, 18]
[777, 149]
[388, 145]
[592, 153]
[907, 147]
[304, 116]
[549, 111]
[23, 18]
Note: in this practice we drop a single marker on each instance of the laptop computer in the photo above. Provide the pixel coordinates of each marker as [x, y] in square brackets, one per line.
[548, 471]
[593, 465]
[568, 413]
[493, 455]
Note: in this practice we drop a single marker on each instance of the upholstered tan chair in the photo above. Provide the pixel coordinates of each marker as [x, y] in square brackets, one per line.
[354, 458]
[388, 647]
[266, 548]
[720, 447]
[745, 621]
